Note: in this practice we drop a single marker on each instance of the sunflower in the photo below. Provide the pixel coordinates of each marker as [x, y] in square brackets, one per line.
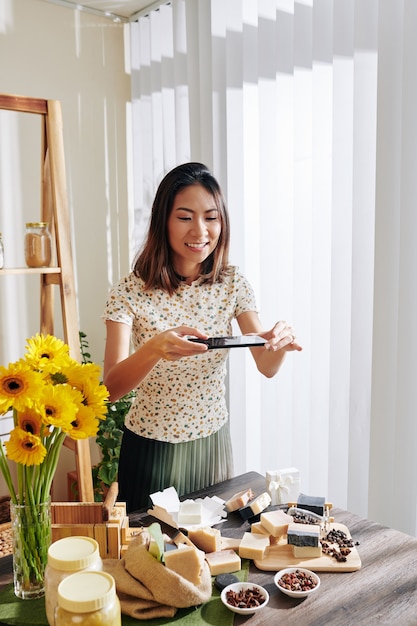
[95, 397]
[25, 448]
[46, 353]
[59, 406]
[30, 421]
[78, 374]
[51, 396]
[20, 386]
[84, 425]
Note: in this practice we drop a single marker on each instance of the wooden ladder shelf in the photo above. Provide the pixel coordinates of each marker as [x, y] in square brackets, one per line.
[54, 210]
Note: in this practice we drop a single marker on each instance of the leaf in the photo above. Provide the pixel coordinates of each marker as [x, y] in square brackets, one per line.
[156, 547]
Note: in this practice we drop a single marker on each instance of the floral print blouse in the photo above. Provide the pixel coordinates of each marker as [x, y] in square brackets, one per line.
[180, 400]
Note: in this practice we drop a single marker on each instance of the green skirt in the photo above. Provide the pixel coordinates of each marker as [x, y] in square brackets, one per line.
[147, 465]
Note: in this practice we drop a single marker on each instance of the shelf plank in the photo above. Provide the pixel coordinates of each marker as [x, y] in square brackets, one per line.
[30, 270]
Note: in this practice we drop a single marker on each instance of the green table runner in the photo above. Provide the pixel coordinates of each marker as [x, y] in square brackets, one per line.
[16, 612]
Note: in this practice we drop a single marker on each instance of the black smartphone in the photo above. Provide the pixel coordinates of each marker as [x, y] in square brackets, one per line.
[243, 341]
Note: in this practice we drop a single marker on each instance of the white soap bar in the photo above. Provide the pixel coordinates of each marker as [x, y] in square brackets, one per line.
[253, 546]
[190, 512]
[223, 562]
[276, 522]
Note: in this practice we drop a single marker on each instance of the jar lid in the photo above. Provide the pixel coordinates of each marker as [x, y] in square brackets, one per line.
[73, 553]
[36, 224]
[85, 592]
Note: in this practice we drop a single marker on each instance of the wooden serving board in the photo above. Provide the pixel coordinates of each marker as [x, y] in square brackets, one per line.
[281, 555]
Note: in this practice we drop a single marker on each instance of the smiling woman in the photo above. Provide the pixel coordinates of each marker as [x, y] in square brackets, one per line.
[177, 430]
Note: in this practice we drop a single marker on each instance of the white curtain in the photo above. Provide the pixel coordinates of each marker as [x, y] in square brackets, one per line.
[305, 111]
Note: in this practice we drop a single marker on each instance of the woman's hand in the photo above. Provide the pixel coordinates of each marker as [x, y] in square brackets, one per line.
[124, 371]
[173, 344]
[279, 340]
[281, 337]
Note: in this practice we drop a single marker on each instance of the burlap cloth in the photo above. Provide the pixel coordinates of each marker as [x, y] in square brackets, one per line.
[147, 589]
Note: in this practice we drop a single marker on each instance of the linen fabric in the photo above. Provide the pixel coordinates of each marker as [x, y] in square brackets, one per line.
[147, 589]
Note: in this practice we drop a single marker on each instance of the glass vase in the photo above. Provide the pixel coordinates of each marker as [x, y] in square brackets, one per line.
[31, 538]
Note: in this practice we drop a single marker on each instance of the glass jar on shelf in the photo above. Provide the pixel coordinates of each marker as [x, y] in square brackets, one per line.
[38, 244]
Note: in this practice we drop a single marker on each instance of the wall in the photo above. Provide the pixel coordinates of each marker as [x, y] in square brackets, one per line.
[52, 52]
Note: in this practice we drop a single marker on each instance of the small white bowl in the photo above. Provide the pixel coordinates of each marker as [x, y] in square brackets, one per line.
[236, 587]
[296, 594]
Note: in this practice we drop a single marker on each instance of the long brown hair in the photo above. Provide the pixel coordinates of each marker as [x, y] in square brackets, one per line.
[153, 263]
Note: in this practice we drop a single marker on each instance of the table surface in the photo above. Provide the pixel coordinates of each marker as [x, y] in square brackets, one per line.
[383, 591]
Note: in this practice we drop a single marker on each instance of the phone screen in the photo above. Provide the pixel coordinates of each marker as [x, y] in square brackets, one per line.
[243, 341]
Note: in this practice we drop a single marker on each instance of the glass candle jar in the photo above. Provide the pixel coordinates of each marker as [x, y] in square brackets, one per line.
[88, 599]
[65, 557]
[37, 244]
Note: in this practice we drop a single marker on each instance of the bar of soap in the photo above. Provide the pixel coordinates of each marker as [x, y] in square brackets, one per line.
[257, 528]
[306, 552]
[303, 535]
[315, 504]
[230, 543]
[223, 562]
[239, 500]
[256, 506]
[253, 546]
[276, 522]
[190, 512]
[186, 561]
[207, 539]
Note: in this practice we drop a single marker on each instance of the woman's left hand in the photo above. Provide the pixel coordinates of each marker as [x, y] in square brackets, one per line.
[281, 337]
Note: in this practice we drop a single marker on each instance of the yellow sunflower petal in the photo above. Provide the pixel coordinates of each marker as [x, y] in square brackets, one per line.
[46, 353]
[95, 397]
[59, 406]
[20, 386]
[84, 425]
[25, 448]
[30, 421]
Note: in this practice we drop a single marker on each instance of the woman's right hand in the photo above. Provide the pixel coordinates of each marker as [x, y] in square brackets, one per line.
[173, 344]
[123, 370]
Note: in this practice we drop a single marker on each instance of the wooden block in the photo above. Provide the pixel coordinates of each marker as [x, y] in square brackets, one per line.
[100, 535]
[113, 540]
[76, 512]
[118, 514]
[128, 534]
[59, 531]
[121, 505]
[72, 486]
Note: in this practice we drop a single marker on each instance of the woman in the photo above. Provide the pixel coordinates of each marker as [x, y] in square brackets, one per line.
[177, 432]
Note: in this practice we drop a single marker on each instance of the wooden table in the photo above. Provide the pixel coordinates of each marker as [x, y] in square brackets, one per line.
[383, 592]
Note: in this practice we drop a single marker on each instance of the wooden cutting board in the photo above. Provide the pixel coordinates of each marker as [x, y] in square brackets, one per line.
[281, 555]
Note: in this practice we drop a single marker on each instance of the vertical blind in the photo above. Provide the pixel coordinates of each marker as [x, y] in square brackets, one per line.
[303, 109]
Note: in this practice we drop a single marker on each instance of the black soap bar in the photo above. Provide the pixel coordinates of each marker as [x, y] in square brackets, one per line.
[222, 580]
[302, 537]
[315, 504]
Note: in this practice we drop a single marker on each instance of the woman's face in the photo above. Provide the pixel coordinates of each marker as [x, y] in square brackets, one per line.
[193, 228]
